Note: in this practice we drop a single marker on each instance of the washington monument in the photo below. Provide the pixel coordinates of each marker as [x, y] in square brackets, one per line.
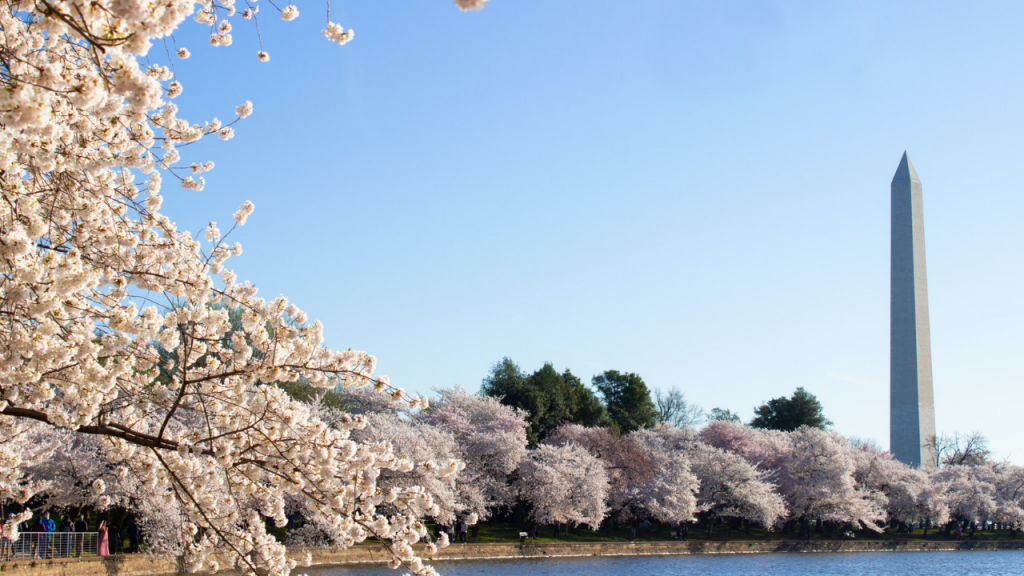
[911, 407]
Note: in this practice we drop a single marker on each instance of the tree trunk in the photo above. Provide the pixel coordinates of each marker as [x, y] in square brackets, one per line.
[711, 525]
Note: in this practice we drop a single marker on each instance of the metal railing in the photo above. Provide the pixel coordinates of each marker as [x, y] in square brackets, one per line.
[40, 545]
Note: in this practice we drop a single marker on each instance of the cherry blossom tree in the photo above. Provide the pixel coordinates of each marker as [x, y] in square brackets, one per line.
[812, 469]
[76, 475]
[730, 487]
[625, 463]
[1010, 495]
[933, 505]
[20, 449]
[563, 484]
[765, 449]
[905, 493]
[431, 461]
[726, 484]
[819, 483]
[970, 492]
[115, 323]
[669, 474]
[666, 491]
[490, 439]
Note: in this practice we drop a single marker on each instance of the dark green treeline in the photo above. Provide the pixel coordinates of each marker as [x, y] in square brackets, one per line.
[552, 398]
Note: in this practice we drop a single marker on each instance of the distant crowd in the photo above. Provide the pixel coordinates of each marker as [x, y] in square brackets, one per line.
[44, 537]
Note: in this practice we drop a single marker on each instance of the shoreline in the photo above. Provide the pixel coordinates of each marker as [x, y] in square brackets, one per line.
[142, 565]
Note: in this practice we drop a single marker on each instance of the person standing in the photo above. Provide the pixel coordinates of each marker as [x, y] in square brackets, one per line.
[115, 538]
[49, 527]
[24, 542]
[67, 529]
[103, 544]
[80, 527]
[18, 546]
[133, 537]
[37, 538]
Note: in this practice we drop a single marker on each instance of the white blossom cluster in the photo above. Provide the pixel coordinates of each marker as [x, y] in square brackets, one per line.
[336, 33]
[128, 340]
[468, 5]
[565, 484]
[10, 525]
[465, 450]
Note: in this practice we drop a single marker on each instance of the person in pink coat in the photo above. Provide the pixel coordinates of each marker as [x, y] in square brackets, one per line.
[103, 547]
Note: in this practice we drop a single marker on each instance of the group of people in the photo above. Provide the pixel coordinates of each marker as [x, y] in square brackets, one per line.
[683, 530]
[42, 538]
[457, 531]
[637, 527]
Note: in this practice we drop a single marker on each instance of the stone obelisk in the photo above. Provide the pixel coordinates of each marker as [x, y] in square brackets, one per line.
[911, 406]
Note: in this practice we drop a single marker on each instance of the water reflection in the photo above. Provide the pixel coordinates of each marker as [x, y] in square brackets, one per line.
[792, 564]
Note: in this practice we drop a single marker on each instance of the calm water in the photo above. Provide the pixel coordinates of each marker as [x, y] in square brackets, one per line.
[791, 564]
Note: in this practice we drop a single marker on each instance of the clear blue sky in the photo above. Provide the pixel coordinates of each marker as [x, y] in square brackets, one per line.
[694, 191]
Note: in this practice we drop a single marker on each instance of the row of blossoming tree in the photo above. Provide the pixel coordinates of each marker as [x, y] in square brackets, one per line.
[671, 475]
[467, 455]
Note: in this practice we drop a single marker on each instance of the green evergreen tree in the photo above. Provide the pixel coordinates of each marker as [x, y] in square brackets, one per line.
[627, 400]
[556, 399]
[549, 398]
[788, 414]
[587, 408]
[508, 382]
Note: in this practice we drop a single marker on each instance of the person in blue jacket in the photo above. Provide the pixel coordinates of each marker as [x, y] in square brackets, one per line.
[49, 527]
